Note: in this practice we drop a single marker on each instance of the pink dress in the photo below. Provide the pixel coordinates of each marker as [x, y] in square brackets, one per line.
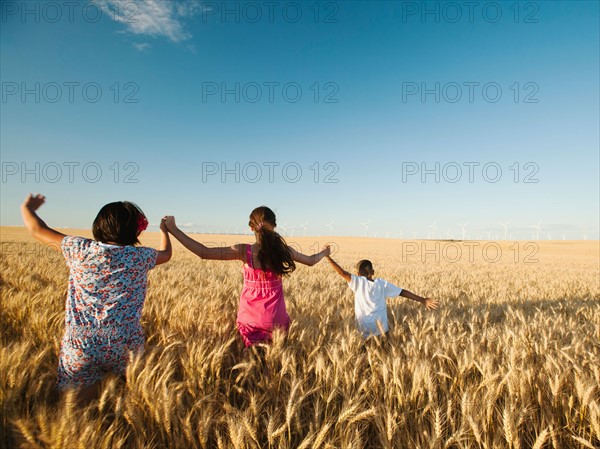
[262, 307]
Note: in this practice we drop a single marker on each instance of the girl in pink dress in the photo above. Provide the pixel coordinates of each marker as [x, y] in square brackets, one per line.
[262, 306]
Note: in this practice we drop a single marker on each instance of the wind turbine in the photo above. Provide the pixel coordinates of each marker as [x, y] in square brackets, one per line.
[489, 234]
[433, 228]
[505, 228]
[537, 228]
[330, 226]
[304, 227]
[284, 229]
[462, 226]
[366, 225]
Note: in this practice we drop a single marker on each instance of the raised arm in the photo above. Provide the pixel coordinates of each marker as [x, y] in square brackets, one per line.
[165, 251]
[38, 229]
[309, 260]
[431, 304]
[235, 252]
[339, 270]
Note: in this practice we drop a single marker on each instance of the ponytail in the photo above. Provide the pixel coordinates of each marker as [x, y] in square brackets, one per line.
[274, 252]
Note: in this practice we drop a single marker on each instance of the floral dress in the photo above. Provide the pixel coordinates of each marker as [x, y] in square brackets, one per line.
[106, 293]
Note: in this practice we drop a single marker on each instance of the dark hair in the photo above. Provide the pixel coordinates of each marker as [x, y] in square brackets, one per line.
[119, 223]
[364, 267]
[274, 253]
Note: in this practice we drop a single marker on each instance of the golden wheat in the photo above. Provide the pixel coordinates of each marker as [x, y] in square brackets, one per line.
[511, 359]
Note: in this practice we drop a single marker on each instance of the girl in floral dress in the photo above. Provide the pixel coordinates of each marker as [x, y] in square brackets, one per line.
[108, 277]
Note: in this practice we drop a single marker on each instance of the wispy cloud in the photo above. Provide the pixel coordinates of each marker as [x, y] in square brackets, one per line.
[141, 46]
[156, 18]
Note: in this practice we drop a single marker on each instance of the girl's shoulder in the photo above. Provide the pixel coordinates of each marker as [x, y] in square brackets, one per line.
[250, 253]
[76, 241]
[72, 242]
[127, 250]
[144, 250]
[77, 248]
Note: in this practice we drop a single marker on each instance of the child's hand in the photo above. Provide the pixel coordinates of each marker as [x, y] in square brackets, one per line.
[33, 202]
[431, 304]
[169, 221]
[163, 225]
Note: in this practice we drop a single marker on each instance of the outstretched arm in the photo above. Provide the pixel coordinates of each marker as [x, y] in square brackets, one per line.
[339, 270]
[310, 260]
[165, 250]
[431, 304]
[38, 229]
[235, 252]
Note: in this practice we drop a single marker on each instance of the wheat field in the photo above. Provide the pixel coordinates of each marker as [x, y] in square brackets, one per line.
[511, 359]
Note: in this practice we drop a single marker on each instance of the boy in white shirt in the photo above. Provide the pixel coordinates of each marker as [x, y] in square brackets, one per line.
[370, 295]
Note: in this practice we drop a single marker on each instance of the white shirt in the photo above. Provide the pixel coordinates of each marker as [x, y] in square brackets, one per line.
[369, 303]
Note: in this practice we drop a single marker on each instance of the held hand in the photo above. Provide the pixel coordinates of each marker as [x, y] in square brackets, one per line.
[33, 202]
[169, 221]
[327, 251]
[431, 304]
[163, 225]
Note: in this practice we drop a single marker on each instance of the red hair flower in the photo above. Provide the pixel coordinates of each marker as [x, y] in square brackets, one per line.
[142, 223]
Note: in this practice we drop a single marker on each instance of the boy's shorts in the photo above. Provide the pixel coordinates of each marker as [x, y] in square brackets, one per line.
[82, 365]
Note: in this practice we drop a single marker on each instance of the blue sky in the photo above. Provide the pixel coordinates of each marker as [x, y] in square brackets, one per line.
[205, 110]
